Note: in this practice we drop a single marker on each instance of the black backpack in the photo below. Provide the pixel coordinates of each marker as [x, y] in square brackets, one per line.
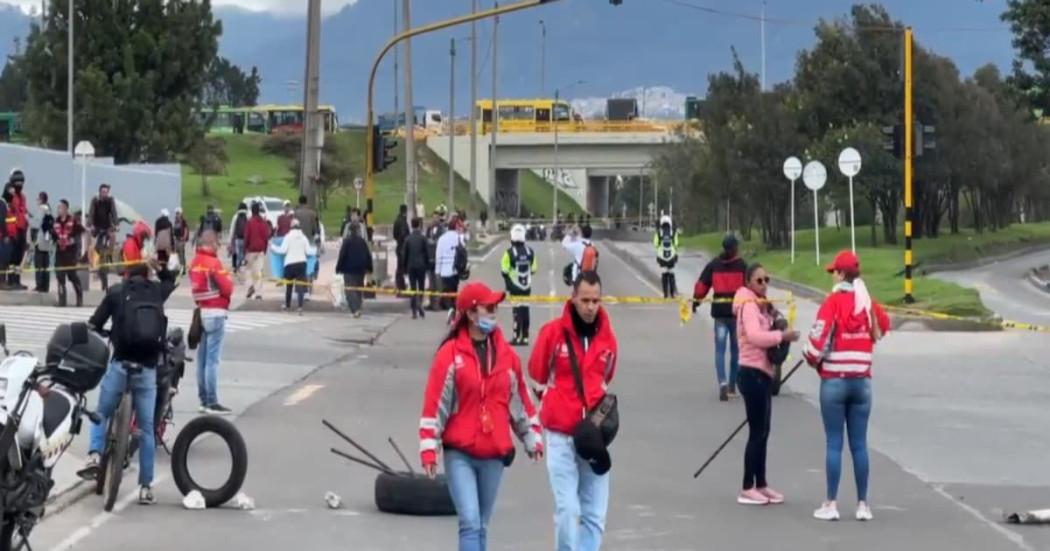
[142, 324]
[460, 263]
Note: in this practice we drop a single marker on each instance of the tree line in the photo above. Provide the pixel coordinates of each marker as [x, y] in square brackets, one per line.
[989, 168]
[144, 68]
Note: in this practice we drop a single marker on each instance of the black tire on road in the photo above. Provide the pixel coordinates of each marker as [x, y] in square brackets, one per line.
[116, 455]
[778, 374]
[413, 494]
[213, 497]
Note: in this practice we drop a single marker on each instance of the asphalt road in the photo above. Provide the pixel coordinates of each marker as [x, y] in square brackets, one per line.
[950, 441]
[1004, 288]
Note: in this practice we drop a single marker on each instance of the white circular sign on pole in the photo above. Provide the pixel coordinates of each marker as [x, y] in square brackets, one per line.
[849, 162]
[359, 184]
[814, 175]
[84, 149]
[792, 168]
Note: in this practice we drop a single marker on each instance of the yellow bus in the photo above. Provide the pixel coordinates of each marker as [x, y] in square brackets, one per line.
[527, 115]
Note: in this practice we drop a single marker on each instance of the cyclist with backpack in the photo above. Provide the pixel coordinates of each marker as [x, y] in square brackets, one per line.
[584, 254]
[518, 266]
[135, 306]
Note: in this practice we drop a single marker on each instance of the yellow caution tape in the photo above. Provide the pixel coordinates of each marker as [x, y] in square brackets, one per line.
[1002, 324]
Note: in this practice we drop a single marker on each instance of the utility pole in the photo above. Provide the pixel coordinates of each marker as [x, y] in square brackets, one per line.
[313, 129]
[69, 82]
[397, 92]
[495, 107]
[452, 123]
[410, 113]
[543, 59]
[908, 159]
[473, 99]
[763, 47]
[556, 184]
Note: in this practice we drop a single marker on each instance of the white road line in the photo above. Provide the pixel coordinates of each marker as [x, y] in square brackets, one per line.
[102, 518]
[485, 258]
[1010, 535]
[637, 274]
[302, 394]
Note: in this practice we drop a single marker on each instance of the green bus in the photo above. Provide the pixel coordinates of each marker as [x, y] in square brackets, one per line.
[262, 119]
[11, 127]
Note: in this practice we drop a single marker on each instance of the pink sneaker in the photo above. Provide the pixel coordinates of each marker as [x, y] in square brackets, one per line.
[775, 497]
[752, 497]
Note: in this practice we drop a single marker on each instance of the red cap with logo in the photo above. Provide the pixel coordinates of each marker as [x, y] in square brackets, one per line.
[477, 294]
[845, 261]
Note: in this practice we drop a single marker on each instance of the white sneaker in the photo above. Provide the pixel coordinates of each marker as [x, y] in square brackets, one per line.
[827, 511]
[863, 512]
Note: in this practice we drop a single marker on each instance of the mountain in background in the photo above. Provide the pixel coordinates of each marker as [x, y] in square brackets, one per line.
[612, 49]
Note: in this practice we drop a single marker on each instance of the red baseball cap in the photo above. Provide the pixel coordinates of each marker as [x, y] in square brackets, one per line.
[845, 261]
[477, 294]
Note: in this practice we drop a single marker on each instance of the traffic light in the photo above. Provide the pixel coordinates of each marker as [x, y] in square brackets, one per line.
[893, 140]
[925, 138]
[381, 146]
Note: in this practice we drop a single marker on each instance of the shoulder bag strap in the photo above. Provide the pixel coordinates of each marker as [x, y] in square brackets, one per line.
[575, 368]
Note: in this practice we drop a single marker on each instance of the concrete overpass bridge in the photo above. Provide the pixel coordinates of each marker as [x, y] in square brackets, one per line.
[601, 156]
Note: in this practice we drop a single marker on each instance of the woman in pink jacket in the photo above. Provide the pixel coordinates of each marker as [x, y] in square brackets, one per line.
[755, 316]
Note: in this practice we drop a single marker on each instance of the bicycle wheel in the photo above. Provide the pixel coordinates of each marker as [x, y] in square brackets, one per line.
[117, 452]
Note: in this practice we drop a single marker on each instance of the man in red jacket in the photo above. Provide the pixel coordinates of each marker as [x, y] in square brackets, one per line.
[18, 210]
[580, 485]
[256, 241]
[723, 275]
[212, 288]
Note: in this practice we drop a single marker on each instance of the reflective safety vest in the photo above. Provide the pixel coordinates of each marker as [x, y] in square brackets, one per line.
[666, 244]
[519, 263]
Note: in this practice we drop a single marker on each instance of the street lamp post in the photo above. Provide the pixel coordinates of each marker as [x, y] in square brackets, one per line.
[451, 125]
[69, 82]
[557, 167]
[543, 58]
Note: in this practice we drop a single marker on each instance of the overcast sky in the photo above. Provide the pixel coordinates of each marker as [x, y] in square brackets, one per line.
[278, 6]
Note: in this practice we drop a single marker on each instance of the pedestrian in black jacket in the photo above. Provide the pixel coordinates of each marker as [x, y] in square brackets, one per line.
[43, 236]
[355, 261]
[401, 232]
[415, 257]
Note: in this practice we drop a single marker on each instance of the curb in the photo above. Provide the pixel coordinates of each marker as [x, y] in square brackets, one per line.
[955, 267]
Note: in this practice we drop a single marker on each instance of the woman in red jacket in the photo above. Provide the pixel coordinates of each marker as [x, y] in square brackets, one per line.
[840, 346]
[475, 396]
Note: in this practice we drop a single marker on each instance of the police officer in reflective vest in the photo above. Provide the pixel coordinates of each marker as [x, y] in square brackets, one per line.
[666, 243]
[519, 265]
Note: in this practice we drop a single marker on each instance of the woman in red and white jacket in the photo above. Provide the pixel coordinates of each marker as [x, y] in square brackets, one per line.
[475, 397]
[840, 346]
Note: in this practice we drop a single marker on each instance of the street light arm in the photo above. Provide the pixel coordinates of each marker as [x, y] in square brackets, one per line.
[428, 28]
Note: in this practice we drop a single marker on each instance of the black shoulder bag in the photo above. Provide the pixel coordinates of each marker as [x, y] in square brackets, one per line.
[606, 415]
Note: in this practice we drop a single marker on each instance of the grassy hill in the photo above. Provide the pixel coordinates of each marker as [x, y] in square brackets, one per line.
[252, 171]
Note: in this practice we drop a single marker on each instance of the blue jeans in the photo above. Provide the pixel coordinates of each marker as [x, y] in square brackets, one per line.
[144, 399]
[725, 333]
[846, 401]
[581, 498]
[473, 484]
[209, 357]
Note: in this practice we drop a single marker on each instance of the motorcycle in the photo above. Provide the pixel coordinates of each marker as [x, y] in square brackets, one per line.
[41, 410]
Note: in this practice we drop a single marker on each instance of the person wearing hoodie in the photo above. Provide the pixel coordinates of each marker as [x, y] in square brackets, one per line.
[43, 237]
[841, 346]
[295, 247]
[212, 288]
[256, 241]
[723, 275]
[6, 239]
[354, 264]
[475, 399]
[134, 246]
[755, 318]
[18, 208]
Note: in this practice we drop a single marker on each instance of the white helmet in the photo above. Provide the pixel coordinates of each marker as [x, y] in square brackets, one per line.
[517, 233]
[665, 219]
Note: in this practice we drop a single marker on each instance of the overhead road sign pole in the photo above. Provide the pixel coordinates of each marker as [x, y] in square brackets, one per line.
[424, 29]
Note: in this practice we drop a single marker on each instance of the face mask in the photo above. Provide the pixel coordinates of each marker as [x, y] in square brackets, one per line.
[487, 325]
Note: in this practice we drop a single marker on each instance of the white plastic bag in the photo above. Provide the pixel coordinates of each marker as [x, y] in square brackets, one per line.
[338, 291]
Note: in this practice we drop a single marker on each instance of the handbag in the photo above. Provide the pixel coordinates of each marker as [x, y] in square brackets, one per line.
[605, 415]
[193, 336]
[778, 354]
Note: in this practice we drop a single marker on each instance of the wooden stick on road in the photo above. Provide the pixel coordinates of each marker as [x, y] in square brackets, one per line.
[739, 428]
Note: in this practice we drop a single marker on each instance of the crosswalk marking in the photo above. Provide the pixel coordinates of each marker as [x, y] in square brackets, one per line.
[30, 327]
